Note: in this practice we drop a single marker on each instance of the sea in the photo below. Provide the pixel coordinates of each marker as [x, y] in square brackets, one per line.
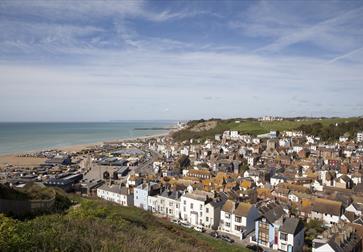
[33, 136]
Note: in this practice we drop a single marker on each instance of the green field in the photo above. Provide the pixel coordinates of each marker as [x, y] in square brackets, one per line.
[95, 225]
[252, 127]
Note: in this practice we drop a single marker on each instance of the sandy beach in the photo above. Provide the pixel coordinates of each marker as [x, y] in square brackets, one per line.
[30, 162]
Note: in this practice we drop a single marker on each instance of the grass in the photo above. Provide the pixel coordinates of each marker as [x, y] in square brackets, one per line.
[30, 191]
[252, 127]
[95, 225]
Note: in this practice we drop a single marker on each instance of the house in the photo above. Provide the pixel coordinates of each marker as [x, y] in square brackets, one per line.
[202, 174]
[133, 180]
[340, 238]
[117, 194]
[277, 179]
[360, 137]
[291, 235]
[142, 192]
[238, 218]
[201, 208]
[344, 182]
[212, 211]
[355, 208]
[329, 211]
[168, 204]
[268, 224]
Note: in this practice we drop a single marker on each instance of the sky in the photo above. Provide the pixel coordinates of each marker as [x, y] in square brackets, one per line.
[177, 60]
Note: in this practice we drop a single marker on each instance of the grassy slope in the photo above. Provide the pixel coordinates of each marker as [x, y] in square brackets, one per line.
[253, 127]
[100, 226]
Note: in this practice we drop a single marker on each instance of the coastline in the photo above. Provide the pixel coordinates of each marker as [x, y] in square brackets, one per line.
[16, 160]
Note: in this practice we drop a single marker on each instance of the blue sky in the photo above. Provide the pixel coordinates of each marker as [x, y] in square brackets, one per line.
[110, 60]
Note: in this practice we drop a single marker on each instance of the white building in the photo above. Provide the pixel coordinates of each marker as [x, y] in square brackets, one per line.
[291, 235]
[168, 204]
[360, 137]
[238, 218]
[201, 208]
[355, 208]
[119, 195]
[277, 179]
[329, 211]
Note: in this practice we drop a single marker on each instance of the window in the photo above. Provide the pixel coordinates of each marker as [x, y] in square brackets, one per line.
[206, 218]
[171, 204]
[201, 207]
[228, 224]
[185, 202]
[191, 205]
[227, 216]
[200, 213]
[237, 228]
[184, 208]
[283, 236]
[207, 210]
[238, 219]
[263, 232]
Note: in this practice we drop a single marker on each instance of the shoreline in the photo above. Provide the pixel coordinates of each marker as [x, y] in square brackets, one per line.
[16, 160]
[85, 145]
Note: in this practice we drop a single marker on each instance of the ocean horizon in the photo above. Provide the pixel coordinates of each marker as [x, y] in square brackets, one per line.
[20, 137]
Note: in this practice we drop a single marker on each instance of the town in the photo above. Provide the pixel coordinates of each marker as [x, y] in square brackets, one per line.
[278, 191]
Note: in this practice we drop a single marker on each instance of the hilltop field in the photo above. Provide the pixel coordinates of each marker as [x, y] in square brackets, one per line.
[95, 225]
[203, 129]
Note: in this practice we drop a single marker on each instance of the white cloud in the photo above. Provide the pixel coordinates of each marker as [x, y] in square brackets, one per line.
[66, 59]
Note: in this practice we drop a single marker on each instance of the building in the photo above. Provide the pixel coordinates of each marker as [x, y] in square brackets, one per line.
[339, 238]
[142, 192]
[202, 174]
[201, 208]
[360, 137]
[329, 211]
[238, 218]
[168, 204]
[64, 181]
[117, 194]
[89, 187]
[291, 235]
[268, 224]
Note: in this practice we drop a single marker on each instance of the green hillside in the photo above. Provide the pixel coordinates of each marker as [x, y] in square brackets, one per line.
[249, 126]
[95, 225]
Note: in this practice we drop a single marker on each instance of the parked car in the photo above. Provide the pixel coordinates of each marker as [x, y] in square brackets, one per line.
[176, 221]
[214, 234]
[185, 224]
[255, 248]
[199, 228]
[227, 238]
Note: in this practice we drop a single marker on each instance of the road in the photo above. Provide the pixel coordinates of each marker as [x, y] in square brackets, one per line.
[147, 167]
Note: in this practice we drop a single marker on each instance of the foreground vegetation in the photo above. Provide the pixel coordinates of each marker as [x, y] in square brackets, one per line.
[94, 225]
[31, 191]
[254, 127]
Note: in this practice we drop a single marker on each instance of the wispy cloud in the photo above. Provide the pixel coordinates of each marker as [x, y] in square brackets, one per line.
[196, 61]
[324, 33]
[346, 55]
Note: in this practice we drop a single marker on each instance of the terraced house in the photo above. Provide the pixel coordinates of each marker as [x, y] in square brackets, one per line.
[238, 218]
